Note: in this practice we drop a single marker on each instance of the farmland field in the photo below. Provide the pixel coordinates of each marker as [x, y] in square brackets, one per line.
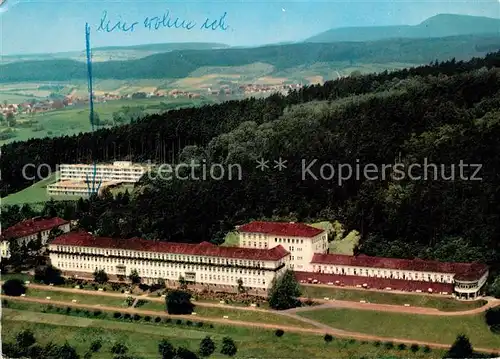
[73, 120]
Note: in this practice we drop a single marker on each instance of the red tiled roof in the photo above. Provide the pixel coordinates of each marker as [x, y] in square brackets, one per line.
[462, 271]
[32, 226]
[84, 239]
[374, 283]
[289, 229]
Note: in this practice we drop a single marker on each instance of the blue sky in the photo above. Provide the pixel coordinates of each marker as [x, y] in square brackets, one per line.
[31, 26]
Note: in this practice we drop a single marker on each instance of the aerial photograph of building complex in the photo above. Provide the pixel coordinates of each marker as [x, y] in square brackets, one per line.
[250, 180]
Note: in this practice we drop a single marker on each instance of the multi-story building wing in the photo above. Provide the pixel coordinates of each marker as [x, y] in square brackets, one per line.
[118, 171]
[204, 264]
[28, 230]
[464, 280]
[84, 179]
[301, 240]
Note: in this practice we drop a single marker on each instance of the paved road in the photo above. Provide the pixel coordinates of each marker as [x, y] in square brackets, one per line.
[492, 302]
[322, 328]
[394, 308]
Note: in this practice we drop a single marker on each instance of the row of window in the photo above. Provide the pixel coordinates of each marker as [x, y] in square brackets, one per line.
[255, 244]
[289, 240]
[163, 274]
[385, 273]
[162, 256]
[80, 261]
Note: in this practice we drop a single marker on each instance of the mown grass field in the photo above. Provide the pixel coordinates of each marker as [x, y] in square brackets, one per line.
[142, 339]
[437, 329]
[102, 300]
[80, 298]
[234, 314]
[415, 300]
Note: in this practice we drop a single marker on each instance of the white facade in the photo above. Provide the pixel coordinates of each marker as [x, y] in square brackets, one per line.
[151, 266]
[409, 275]
[73, 178]
[301, 249]
[120, 171]
[77, 188]
[4, 245]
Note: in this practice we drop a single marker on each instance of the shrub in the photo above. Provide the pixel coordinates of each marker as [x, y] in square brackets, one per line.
[495, 328]
[228, 347]
[427, 349]
[68, 310]
[5, 303]
[77, 310]
[207, 347]
[414, 348]
[188, 322]
[157, 319]
[279, 333]
[95, 345]
[127, 316]
[14, 287]
[179, 302]
[168, 320]
[137, 317]
[328, 338]
[178, 322]
[389, 345]
[147, 318]
[352, 341]
[199, 324]
[86, 313]
[401, 346]
[377, 343]
[117, 315]
[211, 326]
[119, 348]
[97, 313]
[58, 309]
[123, 291]
[49, 307]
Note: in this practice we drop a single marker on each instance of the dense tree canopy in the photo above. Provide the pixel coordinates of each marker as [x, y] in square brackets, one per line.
[442, 114]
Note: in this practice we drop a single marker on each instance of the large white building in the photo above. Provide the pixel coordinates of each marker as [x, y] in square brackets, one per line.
[301, 240]
[204, 264]
[29, 230]
[266, 249]
[84, 179]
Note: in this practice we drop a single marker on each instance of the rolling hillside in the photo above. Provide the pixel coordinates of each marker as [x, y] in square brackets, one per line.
[182, 63]
[442, 25]
[108, 53]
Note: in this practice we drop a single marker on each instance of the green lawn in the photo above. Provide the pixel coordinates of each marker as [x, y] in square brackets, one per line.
[437, 329]
[81, 298]
[142, 339]
[444, 304]
[21, 276]
[36, 193]
[231, 240]
[235, 314]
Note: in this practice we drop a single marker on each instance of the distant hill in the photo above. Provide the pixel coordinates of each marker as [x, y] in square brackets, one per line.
[182, 63]
[442, 25]
[108, 53]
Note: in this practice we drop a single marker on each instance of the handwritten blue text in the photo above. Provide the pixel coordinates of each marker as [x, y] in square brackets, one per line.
[157, 22]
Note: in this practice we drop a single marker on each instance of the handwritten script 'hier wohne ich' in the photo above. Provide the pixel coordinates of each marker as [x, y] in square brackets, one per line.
[157, 22]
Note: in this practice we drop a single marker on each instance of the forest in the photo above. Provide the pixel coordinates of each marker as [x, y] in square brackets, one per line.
[281, 57]
[444, 112]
